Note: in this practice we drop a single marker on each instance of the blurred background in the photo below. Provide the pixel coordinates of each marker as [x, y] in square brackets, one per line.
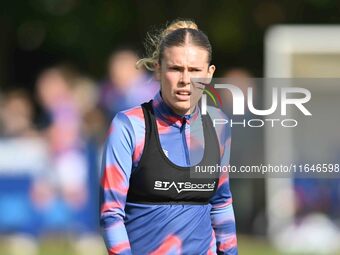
[67, 67]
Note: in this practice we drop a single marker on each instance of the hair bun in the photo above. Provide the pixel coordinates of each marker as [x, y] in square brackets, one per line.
[178, 24]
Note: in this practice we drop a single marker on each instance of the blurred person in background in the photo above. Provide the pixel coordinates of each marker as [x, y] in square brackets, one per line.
[94, 128]
[126, 86]
[23, 159]
[247, 151]
[62, 117]
[242, 78]
[68, 98]
[94, 121]
[63, 133]
[16, 115]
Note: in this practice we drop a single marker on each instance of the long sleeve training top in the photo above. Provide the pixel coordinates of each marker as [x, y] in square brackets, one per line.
[129, 228]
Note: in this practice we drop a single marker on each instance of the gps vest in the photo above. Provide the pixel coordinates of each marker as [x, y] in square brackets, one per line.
[157, 180]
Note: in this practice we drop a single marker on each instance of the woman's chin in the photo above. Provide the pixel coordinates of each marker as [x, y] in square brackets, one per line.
[182, 108]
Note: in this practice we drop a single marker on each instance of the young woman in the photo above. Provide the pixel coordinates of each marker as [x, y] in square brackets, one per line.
[150, 204]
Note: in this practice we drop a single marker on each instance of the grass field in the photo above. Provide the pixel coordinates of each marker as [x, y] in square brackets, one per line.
[63, 246]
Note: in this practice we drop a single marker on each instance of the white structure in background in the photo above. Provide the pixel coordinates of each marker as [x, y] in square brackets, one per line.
[23, 156]
[296, 52]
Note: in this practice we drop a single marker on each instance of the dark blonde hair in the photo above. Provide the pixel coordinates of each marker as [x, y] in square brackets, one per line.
[177, 33]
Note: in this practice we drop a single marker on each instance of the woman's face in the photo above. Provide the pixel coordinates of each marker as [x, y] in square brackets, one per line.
[179, 65]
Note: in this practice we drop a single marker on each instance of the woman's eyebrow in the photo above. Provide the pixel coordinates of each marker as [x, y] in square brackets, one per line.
[175, 65]
[195, 67]
[180, 66]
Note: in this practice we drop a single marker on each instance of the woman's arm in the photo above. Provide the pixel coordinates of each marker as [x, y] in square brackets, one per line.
[116, 170]
[222, 212]
[223, 220]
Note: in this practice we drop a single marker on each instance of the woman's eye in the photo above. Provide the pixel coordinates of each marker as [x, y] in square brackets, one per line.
[174, 68]
[194, 70]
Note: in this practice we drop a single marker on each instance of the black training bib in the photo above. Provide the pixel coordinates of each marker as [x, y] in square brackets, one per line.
[157, 180]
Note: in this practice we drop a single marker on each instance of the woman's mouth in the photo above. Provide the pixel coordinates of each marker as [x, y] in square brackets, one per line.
[183, 95]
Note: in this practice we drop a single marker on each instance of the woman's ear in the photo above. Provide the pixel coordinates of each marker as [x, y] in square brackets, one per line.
[211, 71]
[157, 71]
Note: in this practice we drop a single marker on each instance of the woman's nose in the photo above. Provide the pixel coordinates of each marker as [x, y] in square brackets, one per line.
[185, 77]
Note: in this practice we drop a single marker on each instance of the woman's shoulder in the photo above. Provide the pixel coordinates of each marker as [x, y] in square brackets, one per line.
[129, 123]
[134, 112]
[134, 116]
[129, 116]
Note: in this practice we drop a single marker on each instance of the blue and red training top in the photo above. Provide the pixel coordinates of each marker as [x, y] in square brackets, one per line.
[163, 229]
